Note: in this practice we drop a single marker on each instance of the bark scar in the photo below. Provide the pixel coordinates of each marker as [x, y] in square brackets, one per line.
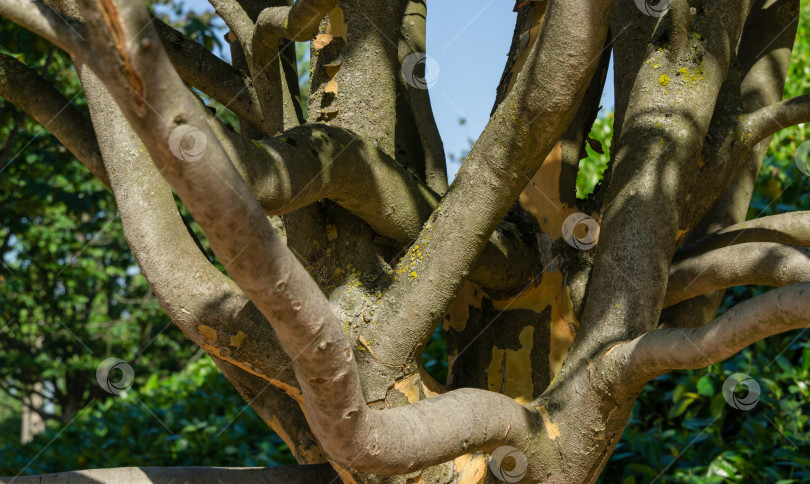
[552, 429]
[134, 81]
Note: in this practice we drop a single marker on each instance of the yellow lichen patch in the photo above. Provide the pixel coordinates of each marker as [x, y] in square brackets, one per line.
[663, 80]
[209, 333]
[517, 365]
[238, 339]
[409, 386]
[459, 312]
[691, 78]
[471, 468]
[552, 429]
[331, 232]
[541, 197]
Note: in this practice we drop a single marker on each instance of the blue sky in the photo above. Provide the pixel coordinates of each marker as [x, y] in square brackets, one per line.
[469, 42]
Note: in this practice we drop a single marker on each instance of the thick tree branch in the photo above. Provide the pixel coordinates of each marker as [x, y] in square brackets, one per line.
[195, 64]
[768, 120]
[168, 475]
[313, 162]
[662, 350]
[236, 18]
[762, 84]
[211, 75]
[299, 22]
[792, 228]
[521, 132]
[412, 40]
[66, 33]
[207, 306]
[761, 263]
[255, 256]
[655, 168]
[30, 92]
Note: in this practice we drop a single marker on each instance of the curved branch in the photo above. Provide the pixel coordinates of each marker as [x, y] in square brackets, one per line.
[412, 40]
[768, 120]
[309, 163]
[792, 228]
[762, 263]
[236, 18]
[265, 50]
[195, 64]
[353, 434]
[763, 80]
[166, 475]
[774, 312]
[170, 259]
[23, 87]
[199, 67]
[520, 134]
[299, 22]
[66, 33]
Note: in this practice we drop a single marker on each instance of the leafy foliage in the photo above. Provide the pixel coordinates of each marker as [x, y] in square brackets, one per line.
[193, 417]
[73, 290]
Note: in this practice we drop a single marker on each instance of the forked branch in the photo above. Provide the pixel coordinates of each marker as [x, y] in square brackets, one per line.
[156, 103]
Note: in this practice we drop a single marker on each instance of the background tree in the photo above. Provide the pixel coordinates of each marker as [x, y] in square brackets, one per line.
[368, 221]
[70, 282]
